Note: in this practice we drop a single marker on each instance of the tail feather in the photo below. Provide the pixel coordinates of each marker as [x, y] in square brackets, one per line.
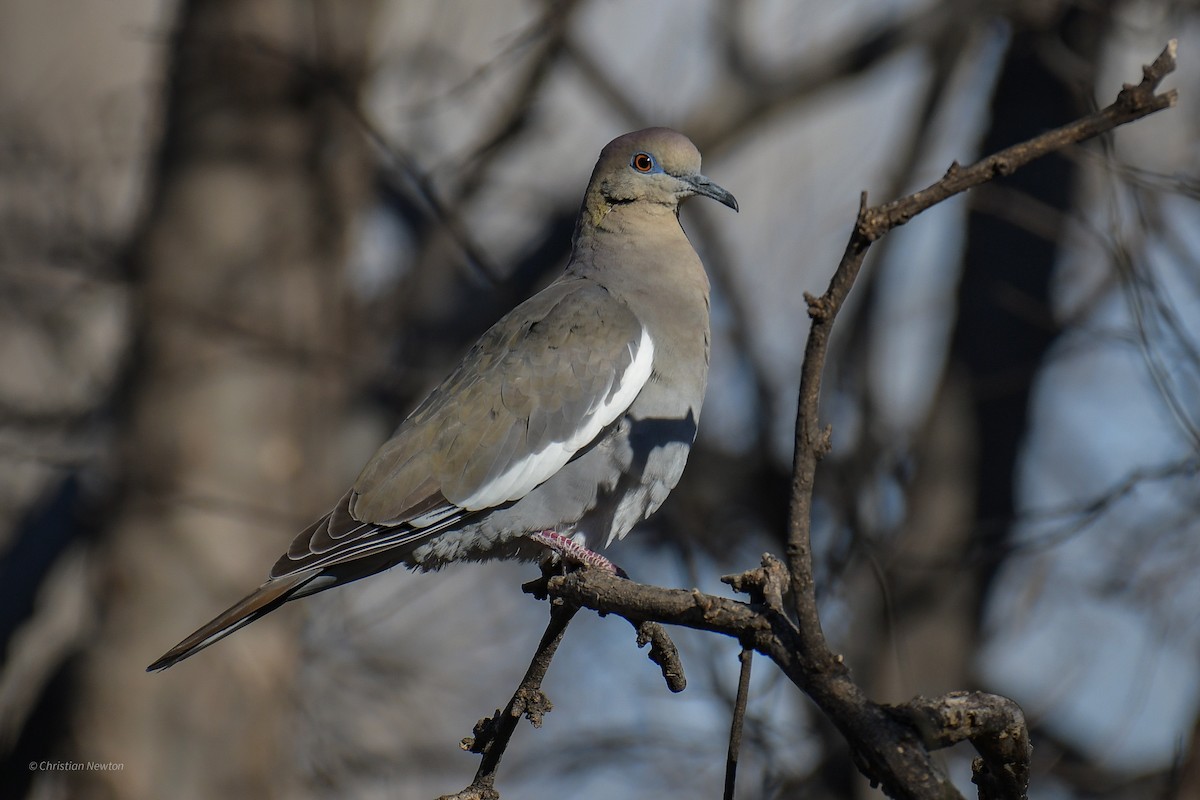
[263, 600]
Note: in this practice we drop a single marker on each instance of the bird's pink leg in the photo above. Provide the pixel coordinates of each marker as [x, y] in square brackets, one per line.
[573, 551]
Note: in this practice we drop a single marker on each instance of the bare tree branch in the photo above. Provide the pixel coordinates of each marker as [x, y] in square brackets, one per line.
[883, 744]
[1133, 102]
[492, 734]
[996, 727]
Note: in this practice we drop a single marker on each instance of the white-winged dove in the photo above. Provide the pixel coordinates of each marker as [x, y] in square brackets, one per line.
[572, 416]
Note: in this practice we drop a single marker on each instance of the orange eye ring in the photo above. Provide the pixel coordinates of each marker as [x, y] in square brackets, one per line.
[642, 162]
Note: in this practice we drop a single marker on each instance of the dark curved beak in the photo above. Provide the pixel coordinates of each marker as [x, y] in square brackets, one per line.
[703, 186]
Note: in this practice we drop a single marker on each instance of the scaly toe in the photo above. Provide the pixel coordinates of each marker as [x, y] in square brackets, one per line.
[572, 551]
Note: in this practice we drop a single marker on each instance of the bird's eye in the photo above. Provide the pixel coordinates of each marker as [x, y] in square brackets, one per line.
[642, 162]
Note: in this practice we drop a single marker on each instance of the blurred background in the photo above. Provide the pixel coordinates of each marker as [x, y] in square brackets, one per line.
[240, 238]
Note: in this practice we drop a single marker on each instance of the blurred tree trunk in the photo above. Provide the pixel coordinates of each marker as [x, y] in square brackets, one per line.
[1006, 325]
[234, 396]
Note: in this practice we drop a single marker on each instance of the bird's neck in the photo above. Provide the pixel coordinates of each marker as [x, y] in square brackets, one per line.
[599, 214]
[643, 257]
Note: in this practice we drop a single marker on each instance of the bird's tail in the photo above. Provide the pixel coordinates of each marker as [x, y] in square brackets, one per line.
[263, 600]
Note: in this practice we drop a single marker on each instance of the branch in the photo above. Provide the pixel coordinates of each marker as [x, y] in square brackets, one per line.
[812, 442]
[995, 725]
[887, 748]
[492, 734]
[663, 651]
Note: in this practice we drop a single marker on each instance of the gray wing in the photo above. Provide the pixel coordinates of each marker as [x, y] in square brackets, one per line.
[537, 388]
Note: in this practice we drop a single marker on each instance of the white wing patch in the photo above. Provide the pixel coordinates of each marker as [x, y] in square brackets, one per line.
[432, 517]
[527, 473]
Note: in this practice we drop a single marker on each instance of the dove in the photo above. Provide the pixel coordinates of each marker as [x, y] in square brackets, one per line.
[569, 421]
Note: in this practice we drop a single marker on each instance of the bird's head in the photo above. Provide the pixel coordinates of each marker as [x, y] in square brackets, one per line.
[655, 165]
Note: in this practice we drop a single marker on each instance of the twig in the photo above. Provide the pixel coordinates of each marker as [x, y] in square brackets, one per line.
[746, 658]
[492, 734]
[662, 652]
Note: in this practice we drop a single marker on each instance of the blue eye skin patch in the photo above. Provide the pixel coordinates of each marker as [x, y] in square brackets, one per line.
[655, 168]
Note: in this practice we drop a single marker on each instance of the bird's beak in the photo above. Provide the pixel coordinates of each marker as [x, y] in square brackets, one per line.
[703, 186]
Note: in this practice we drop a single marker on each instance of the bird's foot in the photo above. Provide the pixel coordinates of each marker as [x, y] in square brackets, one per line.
[570, 550]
